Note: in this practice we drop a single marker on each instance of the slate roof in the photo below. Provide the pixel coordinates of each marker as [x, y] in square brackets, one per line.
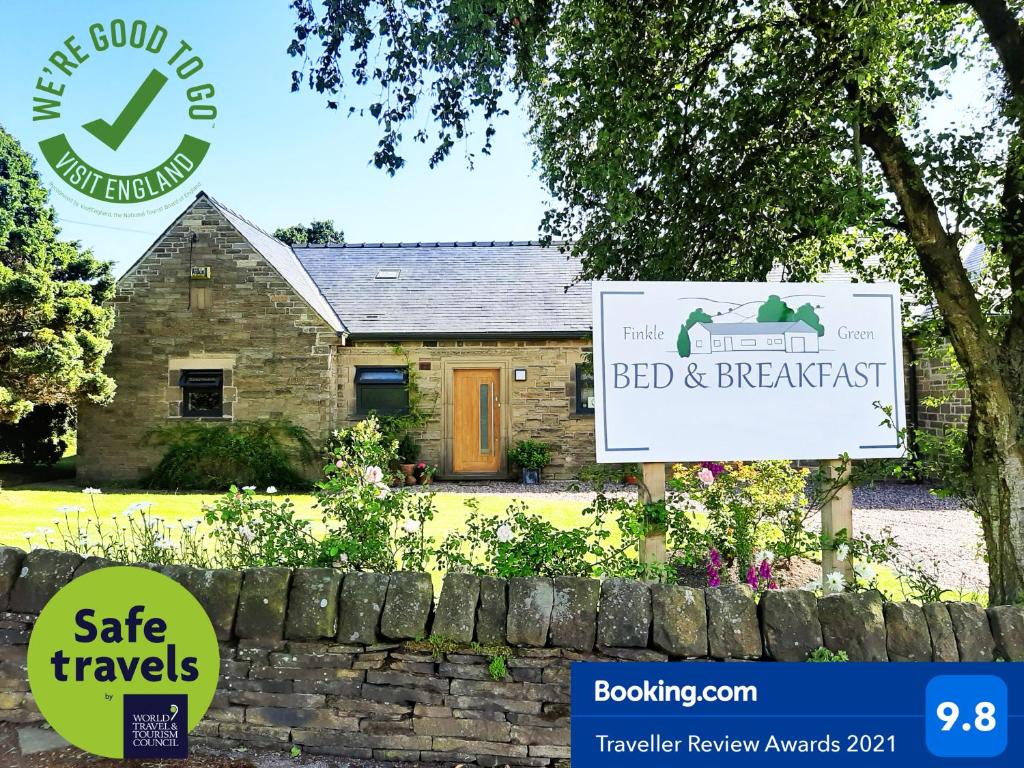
[454, 289]
[282, 258]
[726, 329]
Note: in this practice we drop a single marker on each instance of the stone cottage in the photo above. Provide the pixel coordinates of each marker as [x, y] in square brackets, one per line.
[219, 321]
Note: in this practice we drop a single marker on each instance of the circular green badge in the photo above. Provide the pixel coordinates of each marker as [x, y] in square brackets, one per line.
[123, 662]
[126, 110]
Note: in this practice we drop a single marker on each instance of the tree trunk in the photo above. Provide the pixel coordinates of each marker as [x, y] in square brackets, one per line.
[994, 453]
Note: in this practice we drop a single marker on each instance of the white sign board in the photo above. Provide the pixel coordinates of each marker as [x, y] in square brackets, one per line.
[744, 371]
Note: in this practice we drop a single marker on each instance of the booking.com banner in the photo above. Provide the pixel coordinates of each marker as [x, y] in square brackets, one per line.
[650, 715]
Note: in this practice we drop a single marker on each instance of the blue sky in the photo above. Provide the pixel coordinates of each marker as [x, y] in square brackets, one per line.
[277, 157]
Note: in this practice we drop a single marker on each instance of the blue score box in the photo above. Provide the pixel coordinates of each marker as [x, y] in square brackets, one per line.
[651, 715]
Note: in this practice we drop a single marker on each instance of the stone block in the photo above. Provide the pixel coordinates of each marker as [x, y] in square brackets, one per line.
[313, 604]
[362, 601]
[679, 620]
[455, 616]
[10, 566]
[407, 606]
[1007, 623]
[733, 632]
[492, 611]
[530, 600]
[906, 631]
[263, 603]
[974, 639]
[853, 622]
[93, 563]
[940, 629]
[484, 730]
[574, 613]
[217, 592]
[43, 572]
[624, 618]
[789, 624]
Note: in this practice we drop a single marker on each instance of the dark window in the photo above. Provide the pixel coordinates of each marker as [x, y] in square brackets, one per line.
[382, 390]
[202, 393]
[584, 388]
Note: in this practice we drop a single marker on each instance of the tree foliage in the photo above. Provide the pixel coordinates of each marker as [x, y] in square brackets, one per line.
[53, 326]
[722, 139]
[319, 232]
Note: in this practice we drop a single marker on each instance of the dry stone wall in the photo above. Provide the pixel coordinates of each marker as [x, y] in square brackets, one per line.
[336, 663]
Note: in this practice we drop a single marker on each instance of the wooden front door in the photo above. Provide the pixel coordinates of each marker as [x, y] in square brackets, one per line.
[476, 421]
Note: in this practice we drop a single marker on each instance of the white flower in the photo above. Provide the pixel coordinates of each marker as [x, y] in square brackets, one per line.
[764, 554]
[248, 487]
[812, 586]
[323, 603]
[245, 532]
[163, 543]
[189, 525]
[271, 489]
[70, 509]
[504, 533]
[91, 490]
[865, 572]
[382, 490]
[411, 526]
[141, 506]
[373, 474]
[343, 558]
[129, 512]
[842, 552]
[835, 582]
[44, 531]
[706, 476]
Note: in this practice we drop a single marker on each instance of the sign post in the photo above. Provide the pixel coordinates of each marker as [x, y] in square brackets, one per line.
[652, 548]
[837, 515]
[690, 372]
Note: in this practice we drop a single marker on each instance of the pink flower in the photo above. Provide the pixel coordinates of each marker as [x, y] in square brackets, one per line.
[340, 464]
[752, 577]
[373, 475]
[706, 476]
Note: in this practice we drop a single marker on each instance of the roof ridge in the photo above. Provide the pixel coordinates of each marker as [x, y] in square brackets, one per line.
[434, 244]
[235, 213]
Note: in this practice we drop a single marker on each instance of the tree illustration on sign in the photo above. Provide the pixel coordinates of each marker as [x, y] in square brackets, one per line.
[683, 340]
[775, 310]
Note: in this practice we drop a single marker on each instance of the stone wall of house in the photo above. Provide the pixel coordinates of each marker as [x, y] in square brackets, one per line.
[329, 661]
[277, 353]
[541, 408]
[934, 377]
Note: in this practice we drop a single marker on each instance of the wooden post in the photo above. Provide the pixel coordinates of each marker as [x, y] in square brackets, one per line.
[652, 488]
[837, 515]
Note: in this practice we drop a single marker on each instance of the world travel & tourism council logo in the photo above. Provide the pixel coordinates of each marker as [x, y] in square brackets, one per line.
[123, 662]
[160, 97]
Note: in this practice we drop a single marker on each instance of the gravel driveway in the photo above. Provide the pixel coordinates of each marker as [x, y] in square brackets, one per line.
[929, 528]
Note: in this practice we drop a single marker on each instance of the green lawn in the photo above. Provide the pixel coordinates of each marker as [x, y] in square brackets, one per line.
[26, 508]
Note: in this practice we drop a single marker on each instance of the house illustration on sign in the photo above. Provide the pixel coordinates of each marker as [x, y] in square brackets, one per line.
[795, 336]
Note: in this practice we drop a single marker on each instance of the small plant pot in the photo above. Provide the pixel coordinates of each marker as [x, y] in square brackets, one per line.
[531, 476]
[410, 480]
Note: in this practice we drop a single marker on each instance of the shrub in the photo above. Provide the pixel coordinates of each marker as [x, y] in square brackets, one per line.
[372, 527]
[204, 455]
[41, 437]
[517, 543]
[825, 655]
[748, 505]
[530, 454]
[253, 532]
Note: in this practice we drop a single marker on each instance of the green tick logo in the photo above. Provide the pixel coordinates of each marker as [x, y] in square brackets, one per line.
[167, 80]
